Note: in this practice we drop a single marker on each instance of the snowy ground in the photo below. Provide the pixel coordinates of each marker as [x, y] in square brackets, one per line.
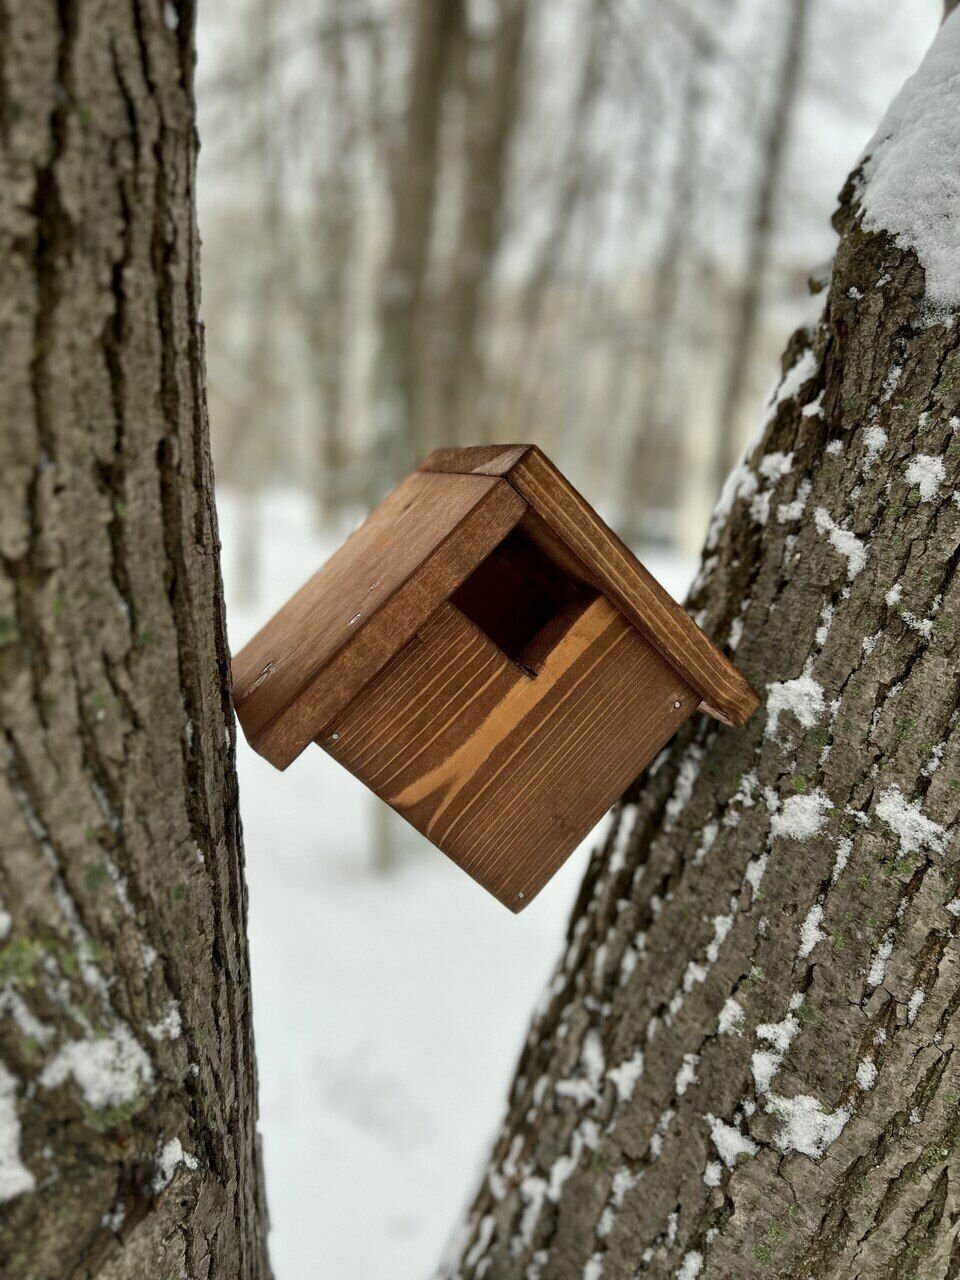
[389, 1009]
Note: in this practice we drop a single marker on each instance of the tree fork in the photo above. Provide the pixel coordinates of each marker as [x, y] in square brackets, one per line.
[745, 1064]
[128, 1139]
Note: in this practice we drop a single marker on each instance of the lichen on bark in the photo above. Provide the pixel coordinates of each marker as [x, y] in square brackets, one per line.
[745, 1064]
[128, 1095]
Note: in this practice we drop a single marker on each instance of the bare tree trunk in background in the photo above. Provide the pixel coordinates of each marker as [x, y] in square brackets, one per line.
[652, 474]
[256, 428]
[413, 180]
[749, 304]
[336, 204]
[127, 1075]
[746, 1064]
[492, 107]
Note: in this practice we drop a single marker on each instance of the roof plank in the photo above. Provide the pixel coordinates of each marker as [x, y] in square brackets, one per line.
[555, 503]
[365, 603]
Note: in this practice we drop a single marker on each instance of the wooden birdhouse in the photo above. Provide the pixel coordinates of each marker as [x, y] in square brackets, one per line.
[490, 659]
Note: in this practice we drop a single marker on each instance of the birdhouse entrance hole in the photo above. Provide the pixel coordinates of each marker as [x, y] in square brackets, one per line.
[522, 600]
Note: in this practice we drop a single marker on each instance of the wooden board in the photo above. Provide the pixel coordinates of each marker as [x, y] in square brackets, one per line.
[503, 771]
[363, 606]
[559, 514]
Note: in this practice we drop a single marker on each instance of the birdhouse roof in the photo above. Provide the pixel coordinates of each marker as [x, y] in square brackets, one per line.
[411, 554]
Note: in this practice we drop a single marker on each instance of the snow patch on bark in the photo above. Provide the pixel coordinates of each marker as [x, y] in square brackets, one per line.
[866, 1074]
[802, 816]
[729, 1141]
[802, 696]
[844, 542]
[169, 1026]
[913, 829]
[691, 1265]
[687, 1075]
[911, 188]
[807, 1127]
[810, 931]
[109, 1070]
[169, 1159]
[731, 1018]
[15, 1177]
[926, 471]
[626, 1075]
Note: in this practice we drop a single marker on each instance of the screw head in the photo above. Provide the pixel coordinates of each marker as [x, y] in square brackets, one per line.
[676, 705]
[334, 737]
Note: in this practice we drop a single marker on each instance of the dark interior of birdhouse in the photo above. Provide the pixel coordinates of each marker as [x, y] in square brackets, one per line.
[522, 600]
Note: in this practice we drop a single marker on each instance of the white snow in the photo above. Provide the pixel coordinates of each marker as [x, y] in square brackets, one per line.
[793, 380]
[844, 846]
[866, 1074]
[913, 1007]
[802, 816]
[893, 595]
[6, 922]
[878, 966]
[926, 471]
[843, 541]
[731, 1018]
[169, 1159]
[910, 184]
[110, 1070]
[753, 875]
[774, 466]
[708, 837]
[594, 1267]
[691, 1265]
[953, 906]
[687, 1075]
[687, 774]
[626, 1074]
[874, 438]
[810, 931]
[389, 1009]
[740, 483]
[914, 830]
[168, 1026]
[15, 1177]
[713, 1173]
[803, 697]
[729, 1141]
[766, 1062]
[807, 1127]
[789, 511]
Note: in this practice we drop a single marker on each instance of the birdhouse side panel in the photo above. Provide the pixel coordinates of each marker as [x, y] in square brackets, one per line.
[503, 770]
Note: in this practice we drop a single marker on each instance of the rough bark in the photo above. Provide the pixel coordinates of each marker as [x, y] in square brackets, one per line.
[746, 1063]
[127, 1079]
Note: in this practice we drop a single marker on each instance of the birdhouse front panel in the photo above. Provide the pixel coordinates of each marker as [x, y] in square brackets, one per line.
[488, 658]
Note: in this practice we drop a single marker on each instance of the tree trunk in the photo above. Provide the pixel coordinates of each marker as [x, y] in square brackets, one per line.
[750, 301]
[746, 1065]
[492, 97]
[127, 1079]
[398, 445]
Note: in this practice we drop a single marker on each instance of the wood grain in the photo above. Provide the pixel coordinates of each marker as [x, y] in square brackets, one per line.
[345, 624]
[503, 771]
[562, 515]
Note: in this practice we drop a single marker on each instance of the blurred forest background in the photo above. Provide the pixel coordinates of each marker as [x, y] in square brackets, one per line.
[590, 225]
